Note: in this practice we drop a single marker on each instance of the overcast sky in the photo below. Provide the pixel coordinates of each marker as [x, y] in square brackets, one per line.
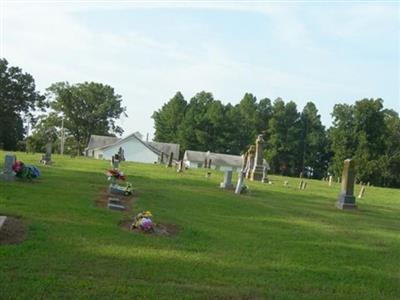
[306, 51]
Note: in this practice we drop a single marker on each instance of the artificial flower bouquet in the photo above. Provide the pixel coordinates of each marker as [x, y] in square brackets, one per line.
[25, 171]
[143, 222]
[114, 174]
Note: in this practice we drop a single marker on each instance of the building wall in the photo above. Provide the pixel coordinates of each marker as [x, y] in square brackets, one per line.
[133, 151]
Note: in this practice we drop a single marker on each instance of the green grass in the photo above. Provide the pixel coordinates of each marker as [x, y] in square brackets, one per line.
[274, 243]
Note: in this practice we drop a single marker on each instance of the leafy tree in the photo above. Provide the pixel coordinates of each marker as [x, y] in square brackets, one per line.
[313, 141]
[168, 119]
[283, 145]
[88, 108]
[18, 100]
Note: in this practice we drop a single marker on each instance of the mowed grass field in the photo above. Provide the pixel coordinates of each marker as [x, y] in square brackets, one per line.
[275, 242]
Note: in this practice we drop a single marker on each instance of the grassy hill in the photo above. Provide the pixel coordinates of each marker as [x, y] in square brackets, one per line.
[276, 242]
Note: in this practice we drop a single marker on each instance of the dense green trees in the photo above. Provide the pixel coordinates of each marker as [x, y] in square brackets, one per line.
[88, 108]
[295, 141]
[18, 100]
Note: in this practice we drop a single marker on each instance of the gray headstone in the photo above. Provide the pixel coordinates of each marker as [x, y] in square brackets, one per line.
[330, 180]
[346, 199]
[113, 200]
[301, 184]
[170, 159]
[362, 192]
[264, 178]
[240, 183]
[115, 206]
[257, 171]
[2, 220]
[227, 184]
[9, 160]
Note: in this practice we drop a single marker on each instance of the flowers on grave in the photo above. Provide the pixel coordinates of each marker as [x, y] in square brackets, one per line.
[115, 174]
[143, 222]
[25, 171]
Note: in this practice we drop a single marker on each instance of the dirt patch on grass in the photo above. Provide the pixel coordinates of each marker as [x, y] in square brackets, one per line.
[12, 232]
[159, 228]
[102, 200]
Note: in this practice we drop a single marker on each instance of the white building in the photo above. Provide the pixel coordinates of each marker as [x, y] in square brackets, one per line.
[223, 162]
[196, 159]
[134, 148]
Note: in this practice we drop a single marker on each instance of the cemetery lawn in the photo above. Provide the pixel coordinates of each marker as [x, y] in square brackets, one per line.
[274, 243]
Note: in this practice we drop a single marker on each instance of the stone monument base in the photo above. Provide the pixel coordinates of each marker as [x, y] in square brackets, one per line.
[227, 186]
[346, 202]
[7, 176]
[257, 173]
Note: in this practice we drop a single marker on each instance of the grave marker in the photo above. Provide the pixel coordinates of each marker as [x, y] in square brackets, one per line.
[257, 171]
[8, 173]
[171, 157]
[227, 184]
[362, 192]
[330, 180]
[346, 199]
[240, 183]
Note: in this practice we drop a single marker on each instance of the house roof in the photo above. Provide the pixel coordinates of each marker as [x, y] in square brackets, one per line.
[103, 142]
[98, 141]
[166, 148]
[217, 159]
[133, 135]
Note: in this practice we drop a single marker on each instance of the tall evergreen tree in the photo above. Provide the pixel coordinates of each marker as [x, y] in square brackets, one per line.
[284, 144]
[168, 119]
[313, 141]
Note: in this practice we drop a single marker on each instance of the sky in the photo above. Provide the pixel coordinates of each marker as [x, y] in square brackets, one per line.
[327, 52]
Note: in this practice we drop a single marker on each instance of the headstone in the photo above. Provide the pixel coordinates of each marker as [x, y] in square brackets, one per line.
[8, 173]
[2, 220]
[113, 200]
[250, 161]
[338, 180]
[346, 199]
[301, 175]
[115, 206]
[264, 178]
[227, 184]
[46, 158]
[301, 184]
[240, 183]
[257, 171]
[304, 185]
[115, 161]
[171, 157]
[244, 160]
[330, 180]
[368, 184]
[121, 154]
[362, 192]
[180, 166]
[161, 157]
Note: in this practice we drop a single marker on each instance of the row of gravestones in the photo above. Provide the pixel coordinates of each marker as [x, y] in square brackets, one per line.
[346, 199]
[115, 190]
[253, 168]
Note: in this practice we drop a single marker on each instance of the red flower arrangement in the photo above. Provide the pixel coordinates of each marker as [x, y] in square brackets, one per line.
[115, 174]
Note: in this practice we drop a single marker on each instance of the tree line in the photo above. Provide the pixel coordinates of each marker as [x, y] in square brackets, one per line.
[296, 141]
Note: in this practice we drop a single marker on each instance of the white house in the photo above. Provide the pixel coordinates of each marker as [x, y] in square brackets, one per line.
[135, 149]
